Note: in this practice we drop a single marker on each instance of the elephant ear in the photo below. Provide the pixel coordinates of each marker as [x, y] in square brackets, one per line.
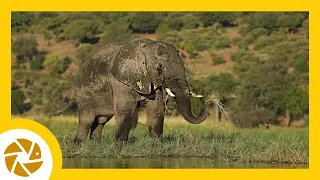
[130, 68]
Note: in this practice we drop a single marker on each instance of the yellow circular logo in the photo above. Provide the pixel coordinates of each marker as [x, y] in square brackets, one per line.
[23, 157]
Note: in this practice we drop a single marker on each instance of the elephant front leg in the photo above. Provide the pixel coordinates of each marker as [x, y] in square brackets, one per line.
[155, 114]
[124, 116]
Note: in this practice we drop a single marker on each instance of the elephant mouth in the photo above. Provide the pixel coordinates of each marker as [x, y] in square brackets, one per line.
[154, 88]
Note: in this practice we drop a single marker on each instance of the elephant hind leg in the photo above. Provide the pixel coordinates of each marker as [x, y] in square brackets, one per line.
[97, 126]
[86, 119]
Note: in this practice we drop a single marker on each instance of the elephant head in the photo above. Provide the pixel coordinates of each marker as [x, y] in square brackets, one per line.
[146, 65]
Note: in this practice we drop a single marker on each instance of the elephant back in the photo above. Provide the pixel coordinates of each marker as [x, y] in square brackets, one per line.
[95, 64]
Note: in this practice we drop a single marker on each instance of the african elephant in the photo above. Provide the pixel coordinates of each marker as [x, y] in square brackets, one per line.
[113, 79]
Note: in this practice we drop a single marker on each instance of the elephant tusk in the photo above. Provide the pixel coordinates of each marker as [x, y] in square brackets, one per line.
[170, 92]
[195, 95]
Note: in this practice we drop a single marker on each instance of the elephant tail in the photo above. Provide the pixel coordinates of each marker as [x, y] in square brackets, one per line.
[64, 109]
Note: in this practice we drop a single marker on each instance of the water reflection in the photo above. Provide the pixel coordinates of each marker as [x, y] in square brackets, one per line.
[167, 163]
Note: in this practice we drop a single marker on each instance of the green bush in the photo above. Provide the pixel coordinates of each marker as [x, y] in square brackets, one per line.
[190, 21]
[218, 60]
[190, 49]
[222, 42]
[163, 27]
[145, 22]
[83, 50]
[24, 48]
[112, 17]
[175, 23]
[262, 42]
[249, 39]
[258, 32]
[236, 40]
[244, 29]
[202, 43]
[290, 21]
[37, 62]
[57, 24]
[21, 21]
[207, 18]
[267, 20]
[117, 34]
[55, 64]
[82, 30]
[172, 37]
[17, 101]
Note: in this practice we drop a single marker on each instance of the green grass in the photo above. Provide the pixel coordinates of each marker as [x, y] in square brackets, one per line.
[225, 143]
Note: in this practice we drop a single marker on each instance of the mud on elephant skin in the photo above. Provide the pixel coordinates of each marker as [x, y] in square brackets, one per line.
[113, 79]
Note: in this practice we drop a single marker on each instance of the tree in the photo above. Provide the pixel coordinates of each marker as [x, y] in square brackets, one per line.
[117, 33]
[20, 21]
[37, 62]
[190, 21]
[82, 30]
[17, 99]
[267, 20]
[269, 87]
[55, 64]
[207, 18]
[222, 42]
[163, 27]
[289, 21]
[225, 18]
[145, 22]
[57, 24]
[24, 48]
[112, 17]
[175, 23]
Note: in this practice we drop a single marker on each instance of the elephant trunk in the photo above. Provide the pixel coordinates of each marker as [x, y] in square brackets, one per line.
[184, 106]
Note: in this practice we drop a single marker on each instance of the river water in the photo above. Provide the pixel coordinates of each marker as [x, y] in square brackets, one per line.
[168, 163]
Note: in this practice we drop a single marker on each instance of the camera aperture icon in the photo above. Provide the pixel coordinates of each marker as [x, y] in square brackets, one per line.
[23, 157]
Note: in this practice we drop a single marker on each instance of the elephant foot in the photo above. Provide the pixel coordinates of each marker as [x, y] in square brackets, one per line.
[77, 141]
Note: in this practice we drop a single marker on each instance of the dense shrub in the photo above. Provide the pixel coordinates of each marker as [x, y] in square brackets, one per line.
[175, 24]
[172, 37]
[207, 18]
[267, 20]
[21, 21]
[56, 64]
[112, 17]
[290, 21]
[255, 33]
[190, 49]
[82, 30]
[190, 21]
[163, 27]
[37, 62]
[57, 24]
[222, 42]
[24, 48]
[218, 60]
[145, 22]
[117, 33]
[17, 101]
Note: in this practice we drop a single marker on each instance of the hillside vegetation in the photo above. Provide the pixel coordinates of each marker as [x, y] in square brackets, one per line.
[258, 62]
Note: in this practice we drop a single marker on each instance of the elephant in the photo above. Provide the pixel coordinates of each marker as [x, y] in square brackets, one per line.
[114, 78]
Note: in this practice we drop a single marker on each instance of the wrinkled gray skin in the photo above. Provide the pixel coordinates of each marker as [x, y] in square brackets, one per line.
[114, 78]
